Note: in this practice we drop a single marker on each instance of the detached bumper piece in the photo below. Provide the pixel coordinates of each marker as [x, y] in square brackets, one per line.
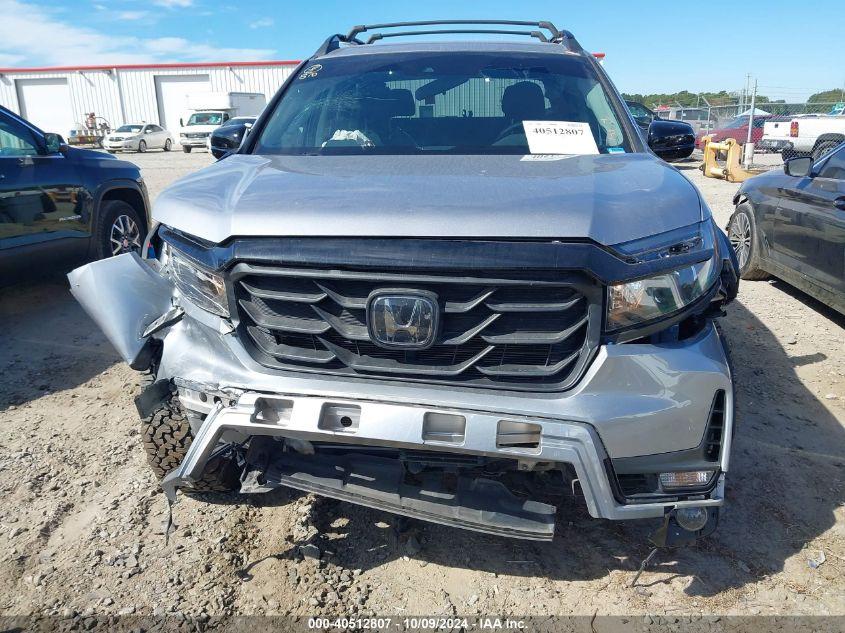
[478, 504]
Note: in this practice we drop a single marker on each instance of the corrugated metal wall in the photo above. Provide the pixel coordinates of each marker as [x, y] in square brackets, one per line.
[94, 91]
[129, 95]
[477, 97]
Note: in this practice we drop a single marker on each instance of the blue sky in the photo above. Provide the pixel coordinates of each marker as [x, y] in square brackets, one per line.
[793, 49]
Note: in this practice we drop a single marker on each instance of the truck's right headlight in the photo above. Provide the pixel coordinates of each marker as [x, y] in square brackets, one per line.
[201, 286]
[642, 301]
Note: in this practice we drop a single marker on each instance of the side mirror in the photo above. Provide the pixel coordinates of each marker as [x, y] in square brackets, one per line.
[181, 124]
[798, 167]
[54, 143]
[670, 139]
[227, 139]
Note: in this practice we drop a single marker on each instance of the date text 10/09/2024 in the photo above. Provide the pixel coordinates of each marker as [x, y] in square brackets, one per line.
[480, 623]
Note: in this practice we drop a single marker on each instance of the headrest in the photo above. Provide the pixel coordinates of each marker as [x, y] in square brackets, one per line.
[381, 101]
[524, 101]
[404, 104]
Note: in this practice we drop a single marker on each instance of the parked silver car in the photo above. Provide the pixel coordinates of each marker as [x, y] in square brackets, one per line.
[138, 137]
[447, 280]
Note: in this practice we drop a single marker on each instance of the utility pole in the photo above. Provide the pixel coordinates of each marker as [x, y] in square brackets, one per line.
[745, 92]
[709, 115]
[748, 153]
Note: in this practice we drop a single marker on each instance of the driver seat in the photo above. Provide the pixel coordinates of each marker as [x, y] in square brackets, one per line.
[524, 101]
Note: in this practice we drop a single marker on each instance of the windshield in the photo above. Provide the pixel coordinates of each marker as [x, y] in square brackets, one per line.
[742, 121]
[239, 120]
[206, 118]
[129, 128]
[471, 103]
[640, 113]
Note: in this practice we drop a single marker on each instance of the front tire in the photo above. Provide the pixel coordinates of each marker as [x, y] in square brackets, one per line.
[119, 229]
[167, 145]
[142, 147]
[742, 233]
[186, 149]
[167, 436]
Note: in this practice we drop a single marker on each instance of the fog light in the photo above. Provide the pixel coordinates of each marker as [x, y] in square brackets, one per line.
[690, 479]
[692, 519]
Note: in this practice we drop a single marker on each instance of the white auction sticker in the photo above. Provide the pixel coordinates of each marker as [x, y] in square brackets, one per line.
[541, 158]
[559, 137]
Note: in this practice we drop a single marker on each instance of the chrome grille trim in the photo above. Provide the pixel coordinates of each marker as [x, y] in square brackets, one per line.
[526, 331]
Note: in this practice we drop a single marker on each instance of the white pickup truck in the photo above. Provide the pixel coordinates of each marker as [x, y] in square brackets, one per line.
[210, 110]
[814, 136]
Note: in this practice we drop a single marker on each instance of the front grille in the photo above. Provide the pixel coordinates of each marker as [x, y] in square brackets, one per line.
[522, 330]
[196, 135]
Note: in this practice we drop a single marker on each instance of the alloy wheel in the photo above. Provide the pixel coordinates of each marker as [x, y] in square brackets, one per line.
[740, 238]
[125, 236]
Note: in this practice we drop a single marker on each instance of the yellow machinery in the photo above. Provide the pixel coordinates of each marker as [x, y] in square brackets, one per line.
[730, 170]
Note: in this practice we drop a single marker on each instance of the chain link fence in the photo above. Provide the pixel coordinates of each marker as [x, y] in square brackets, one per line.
[778, 131]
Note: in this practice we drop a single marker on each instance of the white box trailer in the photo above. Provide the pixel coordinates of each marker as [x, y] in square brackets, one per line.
[247, 103]
[208, 111]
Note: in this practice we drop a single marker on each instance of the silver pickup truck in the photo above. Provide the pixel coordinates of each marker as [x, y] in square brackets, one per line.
[447, 280]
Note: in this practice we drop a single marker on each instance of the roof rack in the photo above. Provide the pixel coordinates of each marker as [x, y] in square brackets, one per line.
[554, 36]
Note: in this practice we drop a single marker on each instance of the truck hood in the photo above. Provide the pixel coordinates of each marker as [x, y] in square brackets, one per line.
[607, 198]
[89, 158]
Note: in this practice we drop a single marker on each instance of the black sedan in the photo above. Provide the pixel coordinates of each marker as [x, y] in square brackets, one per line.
[791, 225]
[60, 205]
[228, 136]
[671, 140]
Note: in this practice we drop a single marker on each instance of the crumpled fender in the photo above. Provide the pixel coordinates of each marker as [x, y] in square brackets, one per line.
[123, 296]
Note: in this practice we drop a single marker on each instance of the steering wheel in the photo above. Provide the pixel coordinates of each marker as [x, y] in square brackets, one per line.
[512, 129]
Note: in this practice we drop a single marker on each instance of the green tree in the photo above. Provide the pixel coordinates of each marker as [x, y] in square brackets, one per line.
[828, 96]
[688, 99]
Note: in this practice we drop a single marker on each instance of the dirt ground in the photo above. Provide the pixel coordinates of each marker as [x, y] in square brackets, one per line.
[81, 518]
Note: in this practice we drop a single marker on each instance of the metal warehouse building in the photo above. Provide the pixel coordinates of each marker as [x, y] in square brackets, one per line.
[58, 99]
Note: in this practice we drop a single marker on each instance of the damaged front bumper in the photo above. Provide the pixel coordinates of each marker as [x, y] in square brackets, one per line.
[478, 504]
[638, 410]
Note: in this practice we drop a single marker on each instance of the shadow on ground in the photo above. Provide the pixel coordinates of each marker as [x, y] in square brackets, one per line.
[48, 343]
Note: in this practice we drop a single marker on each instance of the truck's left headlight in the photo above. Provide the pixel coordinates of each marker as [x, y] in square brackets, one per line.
[201, 286]
[637, 302]
[643, 301]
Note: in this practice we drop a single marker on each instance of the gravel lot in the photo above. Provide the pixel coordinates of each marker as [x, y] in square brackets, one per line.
[81, 522]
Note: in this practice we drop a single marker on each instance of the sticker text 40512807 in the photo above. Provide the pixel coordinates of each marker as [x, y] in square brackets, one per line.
[559, 137]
